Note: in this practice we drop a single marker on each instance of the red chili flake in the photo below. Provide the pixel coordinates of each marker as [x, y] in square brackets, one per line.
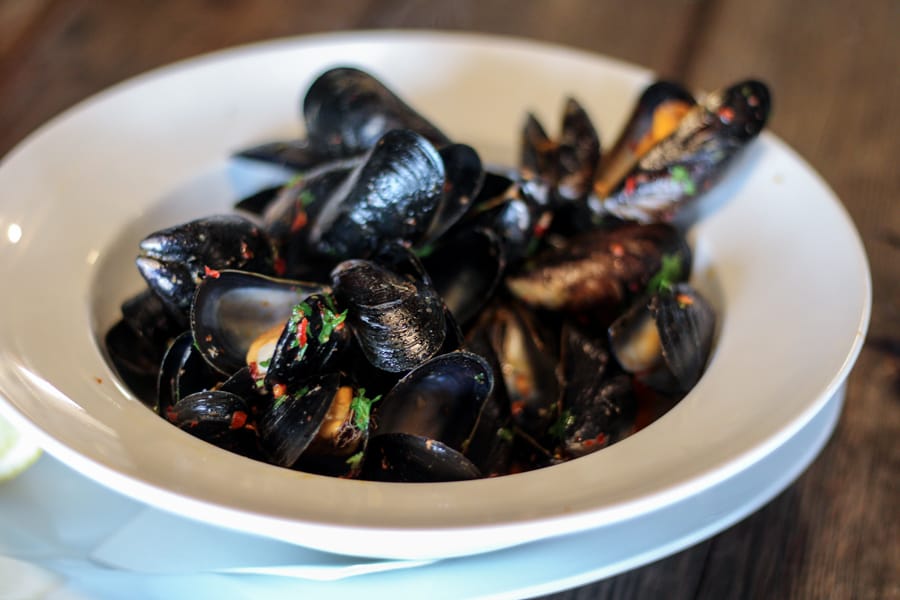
[246, 252]
[601, 438]
[300, 221]
[543, 224]
[171, 415]
[301, 331]
[254, 370]
[280, 266]
[726, 114]
[279, 390]
[589, 443]
[630, 185]
[684, 299]
[517, 407]
[238, 419]
[210, 272]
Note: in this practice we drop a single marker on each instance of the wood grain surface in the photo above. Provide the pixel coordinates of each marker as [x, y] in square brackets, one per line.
[835, 71]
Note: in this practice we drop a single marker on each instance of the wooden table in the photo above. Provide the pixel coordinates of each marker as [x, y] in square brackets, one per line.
[835, 71]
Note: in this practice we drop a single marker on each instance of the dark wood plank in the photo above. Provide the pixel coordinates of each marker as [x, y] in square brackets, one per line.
[18, 18]
[88, 46]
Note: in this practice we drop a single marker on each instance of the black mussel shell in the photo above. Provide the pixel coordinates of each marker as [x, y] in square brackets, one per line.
[466, 268]
[347, 110]
[135, 361]
[398, 323]
[440, 399]
[666, 338]
[149, 318]
[528, 369]
[598, 407]
[292, 418]
[516, 211]
[686, 323]
[490, 445]
[183, 372]
[288, 219]
[312, 341]
[656, 115]
[257, 203]
[538, 153]
[393, 195]
[578, 154]
[297, 155]
[136, 344]
[400, 457]
[598, 272]
[464, 178]
[175, 260]
[231, 310]
[217, 417]
[695, 156]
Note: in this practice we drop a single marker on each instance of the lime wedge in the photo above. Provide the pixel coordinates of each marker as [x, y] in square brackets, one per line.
[17, 453]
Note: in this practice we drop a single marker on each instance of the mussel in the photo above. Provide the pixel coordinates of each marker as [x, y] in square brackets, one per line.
[398, 322]
[693, 157]
[174, 260]
[666, 338]
[599, 271]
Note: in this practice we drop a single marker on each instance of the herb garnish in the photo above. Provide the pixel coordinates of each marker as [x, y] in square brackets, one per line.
[565, 420]
[362, 408]
[668, 275]
[330, 321]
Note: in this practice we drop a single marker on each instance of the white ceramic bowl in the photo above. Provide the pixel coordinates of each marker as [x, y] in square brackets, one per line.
[775, 251]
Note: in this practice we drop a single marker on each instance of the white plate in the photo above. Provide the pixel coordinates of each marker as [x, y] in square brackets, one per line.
[775, 251]
[64, 532]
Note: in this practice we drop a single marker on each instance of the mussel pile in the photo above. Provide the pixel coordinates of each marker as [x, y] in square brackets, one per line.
[397, 311]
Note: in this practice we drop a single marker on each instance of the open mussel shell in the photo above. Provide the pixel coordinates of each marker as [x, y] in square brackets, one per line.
[666, 338]
[393, 195]
[398, 322]
[578, 154]
[288, 219]
[515, 210]
[136, 344]
[537, 151]
[688, 162]
[297, 155]
[231, 311]
[655, 117]
[463, 180]
[466, 268]
[598, 405]
[135, 361]
[347, 110]
[527, 366]
[183, 372]
[175, 260]
[218, 417]
[598, 272]
[490, 445]
[441, 399]
[405, 458]
[289, 422]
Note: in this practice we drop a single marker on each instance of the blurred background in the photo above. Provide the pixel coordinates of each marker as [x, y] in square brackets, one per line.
[834, 68]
